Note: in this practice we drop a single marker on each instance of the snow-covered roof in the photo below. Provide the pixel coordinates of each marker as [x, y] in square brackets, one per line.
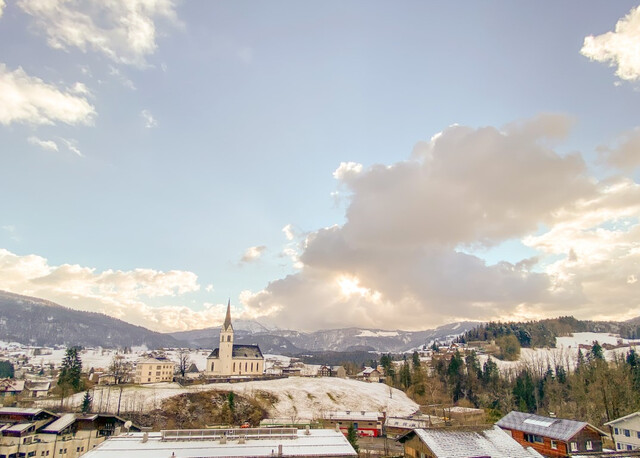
[555, 428]
[149, 360]
[407, 423]
[60, 424]
[39, 386]
[18, 427]
[318, 442]
[12, 385]
[621, 419]
[462, 443]
[241, 351]
[19, 411]
[360, 415]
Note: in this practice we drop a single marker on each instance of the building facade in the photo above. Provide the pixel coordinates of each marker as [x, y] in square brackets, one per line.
[39, 433]
[230, 359]
[626, 432]
[365, 423]
[154, 370]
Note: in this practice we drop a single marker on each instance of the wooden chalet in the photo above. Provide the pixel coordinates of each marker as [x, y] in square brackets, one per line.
[553, 436]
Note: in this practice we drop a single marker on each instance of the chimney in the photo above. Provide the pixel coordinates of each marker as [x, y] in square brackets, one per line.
[145, 438]
[279, 449]
[307, 431]
[223, 440]
[241, 440]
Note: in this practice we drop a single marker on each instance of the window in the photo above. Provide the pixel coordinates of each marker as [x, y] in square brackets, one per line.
[618, 446]
[589, 445]
[638, 433]
[228, 338]
[627, 433]
[574, 446]
[554, 445]
[615, 431]
[533, 438]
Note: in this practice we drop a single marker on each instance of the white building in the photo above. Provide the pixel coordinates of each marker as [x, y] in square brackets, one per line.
[153, 370]
[231, 359]
[626, 432]
[254, 442]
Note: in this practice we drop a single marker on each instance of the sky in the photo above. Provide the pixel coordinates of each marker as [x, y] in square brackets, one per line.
[321, 164]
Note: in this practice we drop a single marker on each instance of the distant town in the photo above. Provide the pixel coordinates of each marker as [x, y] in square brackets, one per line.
[485, 392]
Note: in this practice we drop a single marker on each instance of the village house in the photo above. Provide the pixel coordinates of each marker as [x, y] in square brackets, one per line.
[369, 374]
[552, 436]
[230, 359]
[153, 370]
[332, 371]
[11, 387]
[37, 432]
[37, 389]
[365, 423]
[236, 442]
[626, 431]
[465, 442]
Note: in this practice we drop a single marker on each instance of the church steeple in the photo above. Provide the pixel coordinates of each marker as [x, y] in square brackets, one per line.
[227, 320]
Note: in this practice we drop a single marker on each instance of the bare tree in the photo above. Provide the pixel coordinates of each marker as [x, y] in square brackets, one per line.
[184, 361]
[120, 369]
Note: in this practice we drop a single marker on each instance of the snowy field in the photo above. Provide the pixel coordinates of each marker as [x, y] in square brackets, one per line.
[566, 352]
[299, 398]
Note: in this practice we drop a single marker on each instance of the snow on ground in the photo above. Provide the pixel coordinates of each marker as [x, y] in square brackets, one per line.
[565, 353]
[299, 398]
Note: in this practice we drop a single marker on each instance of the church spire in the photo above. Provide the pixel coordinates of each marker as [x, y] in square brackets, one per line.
[227, 320]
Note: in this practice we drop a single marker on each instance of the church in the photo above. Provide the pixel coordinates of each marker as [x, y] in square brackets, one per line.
[231, 359]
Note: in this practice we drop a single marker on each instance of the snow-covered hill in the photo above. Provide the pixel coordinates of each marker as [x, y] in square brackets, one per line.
[297, 397]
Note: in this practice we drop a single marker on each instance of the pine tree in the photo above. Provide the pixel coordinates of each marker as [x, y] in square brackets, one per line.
[86, 402]
[71, 370]
[352, 437]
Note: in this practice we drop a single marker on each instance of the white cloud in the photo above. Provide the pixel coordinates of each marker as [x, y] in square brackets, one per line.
[72, 146]
[123, 30]
[2, 5]
[27, 99]
[119, 76]
[253, 253]
[620, 48]
[626, 154]
[48, 145]
[121, 294]
[149, 121]
[398, 260]
[288, 232]
[347, 170]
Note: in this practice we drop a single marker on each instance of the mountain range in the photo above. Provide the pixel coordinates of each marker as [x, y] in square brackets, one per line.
[34, 321]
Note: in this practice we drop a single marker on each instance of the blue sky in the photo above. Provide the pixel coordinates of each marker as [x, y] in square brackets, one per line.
[160, 157]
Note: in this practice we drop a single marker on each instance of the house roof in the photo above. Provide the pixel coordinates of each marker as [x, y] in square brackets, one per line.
[18, 427]
[11, 385]
[317, 442]
[463, 443]
[241, 352]
[39, 386]
[22, 411]
[360, 415]
[555, 428]
[621, 419]
[60, 424]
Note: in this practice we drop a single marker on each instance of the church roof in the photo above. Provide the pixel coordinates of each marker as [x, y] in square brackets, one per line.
[227, 319]
[241, 352]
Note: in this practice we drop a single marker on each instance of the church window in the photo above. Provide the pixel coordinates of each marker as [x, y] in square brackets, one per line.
[211, 365]
[228, 338]
[234, 367]
[251, 367]
[245, 367]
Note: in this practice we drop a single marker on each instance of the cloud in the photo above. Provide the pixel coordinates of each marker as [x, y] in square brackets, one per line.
[399, 257]
[72, 146]
[27, 99]
[626, 155]
[48, 145]
[122, 30]
[120, 294]
[149, 121]
[253, 253]
[2, 5]
[288, 232]
[620, 48]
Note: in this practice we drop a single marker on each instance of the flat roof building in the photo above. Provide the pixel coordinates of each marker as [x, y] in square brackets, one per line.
[236, 442]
